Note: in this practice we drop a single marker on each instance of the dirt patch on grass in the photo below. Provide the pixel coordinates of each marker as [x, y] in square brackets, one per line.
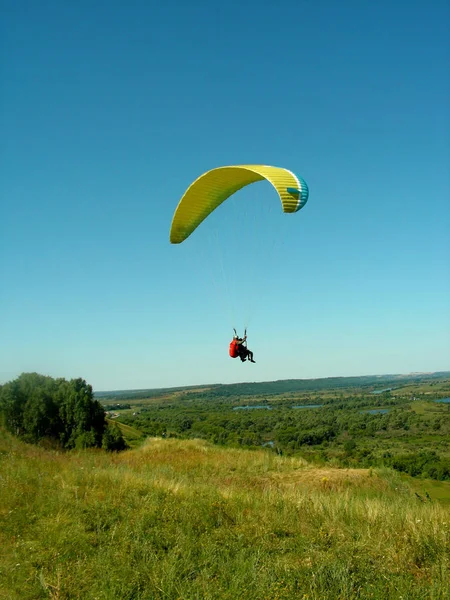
[329, 479]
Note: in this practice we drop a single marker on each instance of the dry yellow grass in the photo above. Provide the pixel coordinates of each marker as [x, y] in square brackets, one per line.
[184, 519]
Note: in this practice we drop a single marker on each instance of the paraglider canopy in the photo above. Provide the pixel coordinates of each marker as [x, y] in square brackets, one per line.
[215, 186]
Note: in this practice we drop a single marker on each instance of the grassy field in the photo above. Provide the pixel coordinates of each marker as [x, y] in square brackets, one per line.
[132, 435]
[176, 519]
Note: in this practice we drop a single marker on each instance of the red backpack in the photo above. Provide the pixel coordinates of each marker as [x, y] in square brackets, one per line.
[234, 349]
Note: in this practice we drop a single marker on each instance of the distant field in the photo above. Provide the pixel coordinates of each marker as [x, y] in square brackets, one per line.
[325, 385]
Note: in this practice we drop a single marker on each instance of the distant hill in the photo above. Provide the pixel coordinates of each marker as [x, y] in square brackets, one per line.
[281, 386]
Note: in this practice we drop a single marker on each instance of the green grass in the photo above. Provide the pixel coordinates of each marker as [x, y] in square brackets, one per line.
[186, 520]
[422, 407]
[438, 491]
[132, 435]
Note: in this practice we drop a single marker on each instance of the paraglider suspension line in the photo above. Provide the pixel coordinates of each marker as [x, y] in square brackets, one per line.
[245, 333]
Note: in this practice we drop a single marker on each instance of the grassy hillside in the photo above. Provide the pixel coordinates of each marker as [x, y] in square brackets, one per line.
[182, 519]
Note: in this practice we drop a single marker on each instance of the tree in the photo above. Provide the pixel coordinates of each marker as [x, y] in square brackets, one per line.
[36, 406]
[113, 439]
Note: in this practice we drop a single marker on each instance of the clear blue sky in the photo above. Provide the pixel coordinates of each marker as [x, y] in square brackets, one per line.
[109, 110]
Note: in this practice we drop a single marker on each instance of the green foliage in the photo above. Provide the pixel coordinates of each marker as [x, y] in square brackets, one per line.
[113, 439]
[426, 464]
[36, 407]
[85, 440]
[345, 429]
[349, 445]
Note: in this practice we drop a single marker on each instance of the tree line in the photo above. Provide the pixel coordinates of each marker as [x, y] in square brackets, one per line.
[36, 407]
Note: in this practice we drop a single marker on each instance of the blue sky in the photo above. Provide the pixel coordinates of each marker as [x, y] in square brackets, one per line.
[109, 110]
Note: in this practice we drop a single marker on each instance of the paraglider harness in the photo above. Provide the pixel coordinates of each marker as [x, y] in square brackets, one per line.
[244, 343]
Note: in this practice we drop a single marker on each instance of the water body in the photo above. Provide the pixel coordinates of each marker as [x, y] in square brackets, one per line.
[262, 406]
[376, 411]
[444, 400]
[382, 391]
[252, 407]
